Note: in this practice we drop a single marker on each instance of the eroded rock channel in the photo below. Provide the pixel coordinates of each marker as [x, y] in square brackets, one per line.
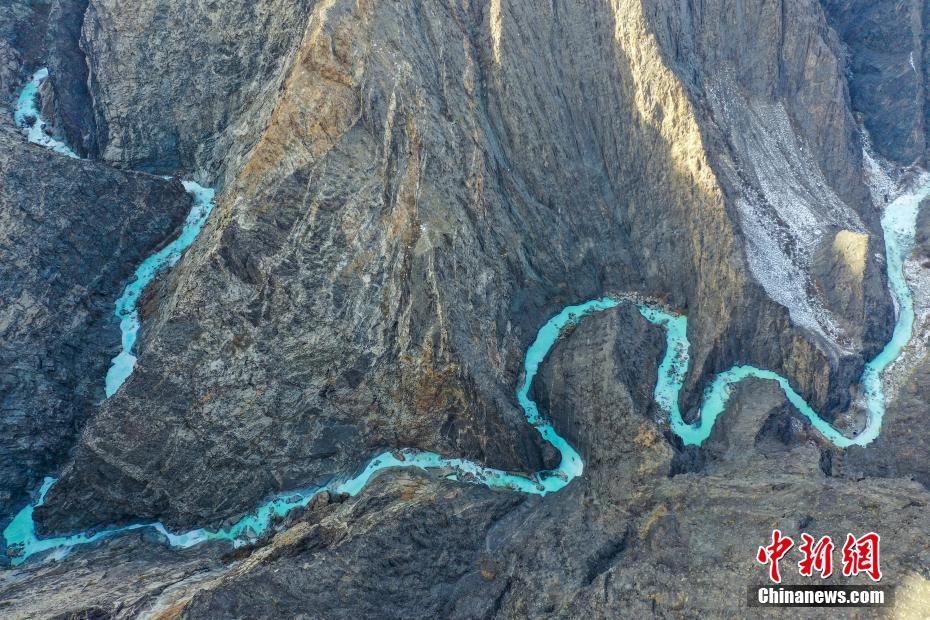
[899, 223]
[411, 201]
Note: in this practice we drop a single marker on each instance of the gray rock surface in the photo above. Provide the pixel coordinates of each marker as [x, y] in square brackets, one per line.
[901, 450]
[23, 24]
[187, 88]
[412, 213]
[47, 33]
[122, 579]
[407, 192]
[627, 540]
[71, 234]
[67, 64]
[886, 49]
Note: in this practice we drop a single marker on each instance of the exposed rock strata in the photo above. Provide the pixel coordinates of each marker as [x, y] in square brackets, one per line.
[900, 451]
[73, 108]
[409, 190]
[886, 55]
[785, 147]
[415, 209]
[618, 544]
[71, 233]
[186, 88]
[626, 540]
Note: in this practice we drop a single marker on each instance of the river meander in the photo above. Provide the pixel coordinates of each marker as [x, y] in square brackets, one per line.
[898, 224]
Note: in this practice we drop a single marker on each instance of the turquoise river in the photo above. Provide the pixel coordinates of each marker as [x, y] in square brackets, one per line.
[898, 224]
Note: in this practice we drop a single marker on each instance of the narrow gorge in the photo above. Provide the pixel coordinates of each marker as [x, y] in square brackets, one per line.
[363, 366]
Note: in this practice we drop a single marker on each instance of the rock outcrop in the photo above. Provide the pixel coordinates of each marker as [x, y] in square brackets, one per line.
[413, 210]
[886, 56]
[628, 539]
[407, 192]
[71, 233]
[73, 107]
[187, 87]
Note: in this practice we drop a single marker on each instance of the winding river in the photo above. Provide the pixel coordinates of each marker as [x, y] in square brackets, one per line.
[126, 309]
[27, 116]
[898, 224]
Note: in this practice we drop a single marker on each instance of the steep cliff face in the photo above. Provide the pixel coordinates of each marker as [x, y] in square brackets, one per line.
[185, 88]
[73, 103]
[35, 34]
[901, 450]
[626, 540]
[886, 54]
[70, 235]
[22, 27]
[389, 303]
[773, 104]
[407, 192]
[414, 210]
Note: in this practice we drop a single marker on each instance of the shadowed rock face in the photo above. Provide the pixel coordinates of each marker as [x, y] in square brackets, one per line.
[189, 87]
[627, 539]
[885, 45]
[901, 450]
[70, 234]
[22, 28]
[407, 191]
[35, 34]
[767, 87]
[626, 536]
[73, 104]
[433, 183]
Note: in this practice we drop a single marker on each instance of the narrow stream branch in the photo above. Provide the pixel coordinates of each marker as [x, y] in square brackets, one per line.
[898, 224]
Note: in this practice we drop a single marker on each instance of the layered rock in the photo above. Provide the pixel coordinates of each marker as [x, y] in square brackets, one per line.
[415, 209]
[386, 304]
[71, 233]
[887, 55]
[73, 110]
[409, 190]
[22, 28]
[785, 147]
[185, 87]
[627, 539]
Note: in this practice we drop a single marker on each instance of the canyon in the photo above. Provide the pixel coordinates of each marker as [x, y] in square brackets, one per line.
[405, 195]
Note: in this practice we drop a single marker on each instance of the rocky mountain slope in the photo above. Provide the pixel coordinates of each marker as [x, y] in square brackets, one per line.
[406, 193]
[628, 539]
[70, 235]
[332, 309]
[885, 49]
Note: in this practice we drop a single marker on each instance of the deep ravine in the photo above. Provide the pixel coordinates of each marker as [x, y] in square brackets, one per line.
[898, 223]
